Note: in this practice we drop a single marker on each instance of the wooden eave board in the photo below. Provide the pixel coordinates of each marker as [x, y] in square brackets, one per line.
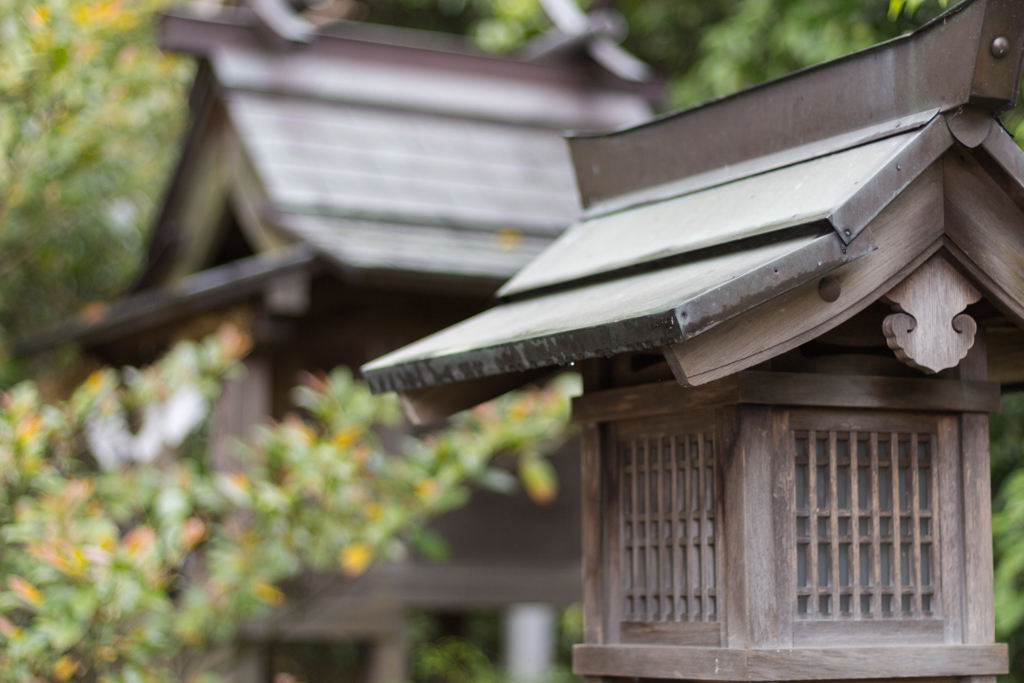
[801, 193]
[209, 289]
[629, 313]
[345, 160]
[430, 250]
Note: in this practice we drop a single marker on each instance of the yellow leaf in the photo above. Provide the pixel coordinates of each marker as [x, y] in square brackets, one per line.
[539, 479]
[23, 589]
[239, 480]
[65, 668]
[373, 512]
[47, 553]
[426, 488]
[232, 341]
[355, 558]
[38, 16]
[27, 428]
[107, 654]
[139, 540]
[269, 594]
[347, 436]
[192, 532]
[9, 630]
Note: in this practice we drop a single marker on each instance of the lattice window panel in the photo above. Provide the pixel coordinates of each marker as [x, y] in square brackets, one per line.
[866, 530]
[668, 528]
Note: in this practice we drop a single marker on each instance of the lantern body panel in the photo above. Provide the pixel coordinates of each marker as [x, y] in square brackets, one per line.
[749, 515]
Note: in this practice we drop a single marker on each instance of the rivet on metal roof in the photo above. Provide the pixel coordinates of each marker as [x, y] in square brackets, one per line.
[1000, 46]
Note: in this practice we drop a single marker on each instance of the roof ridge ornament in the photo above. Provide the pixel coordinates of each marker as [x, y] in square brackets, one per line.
[598, 32]
[970, 125]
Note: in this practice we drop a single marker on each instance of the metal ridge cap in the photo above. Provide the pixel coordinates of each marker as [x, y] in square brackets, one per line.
[325, 39]
[926, 69]
[767, 163]
[654, 121]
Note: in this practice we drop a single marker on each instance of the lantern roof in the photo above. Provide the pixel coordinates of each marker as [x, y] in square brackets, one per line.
[705, 216]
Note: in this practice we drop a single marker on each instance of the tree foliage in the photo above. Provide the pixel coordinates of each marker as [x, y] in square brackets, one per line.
[90, 114]
[119, 574]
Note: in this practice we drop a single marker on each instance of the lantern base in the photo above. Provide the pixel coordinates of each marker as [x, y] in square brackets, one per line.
[805, 664]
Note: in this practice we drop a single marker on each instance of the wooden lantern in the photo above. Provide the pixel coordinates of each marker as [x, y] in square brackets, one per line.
[793, 309]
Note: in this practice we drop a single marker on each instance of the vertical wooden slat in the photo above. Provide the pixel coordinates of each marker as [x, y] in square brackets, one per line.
[635, 544]
[894, 497]
[590, 458]
[783, 474]
[833, 476]
[704, 573]
[979, 612]
[664, 531]
[854, 500]
[937, 574]
[915, 523]
[948, 514]
[611, 458]
[648, 535]
[691, 511]
[812, 521]
[676, 514]
[876, 545]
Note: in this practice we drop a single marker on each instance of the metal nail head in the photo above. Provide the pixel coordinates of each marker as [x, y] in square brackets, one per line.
[1000, 46]
[829, 288]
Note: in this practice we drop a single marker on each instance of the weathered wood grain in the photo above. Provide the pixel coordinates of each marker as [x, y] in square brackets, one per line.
[749, 578]
[949, 520]
[720, 664]
[592, 530]
[979, 613]
[988, 230]
[671, 633]
[793, 389]
[867, 632]
[929, 331]
[783, 514]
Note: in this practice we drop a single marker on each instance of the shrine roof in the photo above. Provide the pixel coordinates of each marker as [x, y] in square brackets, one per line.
[700, 217]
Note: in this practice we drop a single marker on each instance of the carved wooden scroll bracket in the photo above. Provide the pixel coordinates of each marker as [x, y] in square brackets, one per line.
[929, 331]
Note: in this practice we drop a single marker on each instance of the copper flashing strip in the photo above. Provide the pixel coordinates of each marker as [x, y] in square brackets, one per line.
[927, 69]
[854, 214]
[623, 328]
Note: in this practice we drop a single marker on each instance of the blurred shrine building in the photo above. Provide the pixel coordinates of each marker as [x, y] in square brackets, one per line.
[345, 190]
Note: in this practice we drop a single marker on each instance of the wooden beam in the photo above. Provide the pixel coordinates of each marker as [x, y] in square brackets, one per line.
[791, 389]
[749, 573]
[811, 664]
[426, 406]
